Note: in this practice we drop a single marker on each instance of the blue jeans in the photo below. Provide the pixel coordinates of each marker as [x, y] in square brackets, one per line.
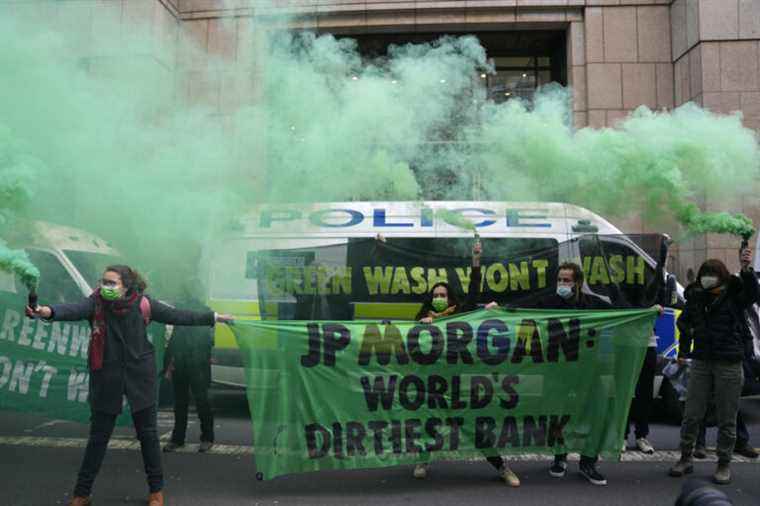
[101, 428]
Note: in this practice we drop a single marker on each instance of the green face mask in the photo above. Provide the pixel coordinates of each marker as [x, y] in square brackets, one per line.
[440, 304]
[110, 293]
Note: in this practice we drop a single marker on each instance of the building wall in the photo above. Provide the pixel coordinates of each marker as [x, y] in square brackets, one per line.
[716, 54]
[621, 54]
[627, 60]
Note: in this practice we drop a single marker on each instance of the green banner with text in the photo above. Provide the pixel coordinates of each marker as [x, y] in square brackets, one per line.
[359, 394]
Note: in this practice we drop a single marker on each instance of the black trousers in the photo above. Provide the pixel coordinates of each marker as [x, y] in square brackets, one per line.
[184, 382]
[641, 406]
[101, 428]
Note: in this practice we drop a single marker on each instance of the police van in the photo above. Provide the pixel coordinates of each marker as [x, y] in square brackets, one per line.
[376, 260]
[71, 262]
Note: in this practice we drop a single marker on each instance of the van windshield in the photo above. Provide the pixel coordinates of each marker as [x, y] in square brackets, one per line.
[91, 265]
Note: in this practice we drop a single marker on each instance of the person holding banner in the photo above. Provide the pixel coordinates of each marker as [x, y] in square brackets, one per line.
[121, 362]
[569, 295]
[442, 302]
[714, 335]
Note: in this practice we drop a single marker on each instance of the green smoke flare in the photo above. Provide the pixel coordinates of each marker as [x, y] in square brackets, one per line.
[155, 144]
[17, 171]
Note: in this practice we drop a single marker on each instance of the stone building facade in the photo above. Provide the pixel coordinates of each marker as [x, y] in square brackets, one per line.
[617, 55]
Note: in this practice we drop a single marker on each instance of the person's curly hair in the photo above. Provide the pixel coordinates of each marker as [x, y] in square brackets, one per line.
[130, 278]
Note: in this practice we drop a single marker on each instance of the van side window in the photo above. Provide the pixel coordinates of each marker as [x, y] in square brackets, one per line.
[56, 285]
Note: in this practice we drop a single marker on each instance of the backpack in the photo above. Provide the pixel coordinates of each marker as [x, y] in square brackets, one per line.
[145, 309]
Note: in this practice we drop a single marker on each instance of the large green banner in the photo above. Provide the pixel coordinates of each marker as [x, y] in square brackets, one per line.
[43, 365]
[351, 394]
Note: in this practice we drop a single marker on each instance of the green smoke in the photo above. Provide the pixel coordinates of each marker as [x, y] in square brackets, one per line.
[456, 219]
[17, 172]
[156, 144]
[17, 262]
[722, 223]
[654, 163]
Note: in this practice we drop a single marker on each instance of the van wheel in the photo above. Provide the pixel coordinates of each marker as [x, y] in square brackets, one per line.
[672, 408]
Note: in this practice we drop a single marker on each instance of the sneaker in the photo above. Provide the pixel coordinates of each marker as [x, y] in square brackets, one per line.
[700, 452]
[746, 451]
[644, 446]
[558, 469]
[722, 474]
[205, 446]
[171, 446]
[682, 467]
[509, 477]
[420, 471]
[590, 472]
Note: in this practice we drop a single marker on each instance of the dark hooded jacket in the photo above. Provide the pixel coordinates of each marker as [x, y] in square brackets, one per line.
[584, 301]
[713, 327]
[129, 363]
[189, 349]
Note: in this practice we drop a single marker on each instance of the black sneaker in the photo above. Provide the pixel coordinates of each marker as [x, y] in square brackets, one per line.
[558, 469]
[590, 472]
[700, 452]
[746, 451]
[171, 446]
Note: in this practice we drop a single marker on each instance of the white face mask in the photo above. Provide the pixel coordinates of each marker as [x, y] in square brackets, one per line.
[709, 282]
[565, 291]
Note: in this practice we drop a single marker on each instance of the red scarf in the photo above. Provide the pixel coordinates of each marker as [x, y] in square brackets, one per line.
[98, 334]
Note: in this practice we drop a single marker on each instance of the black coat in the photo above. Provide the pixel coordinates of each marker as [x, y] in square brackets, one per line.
[585, 301]
[712, 326]
[129, 363]
[189, 350]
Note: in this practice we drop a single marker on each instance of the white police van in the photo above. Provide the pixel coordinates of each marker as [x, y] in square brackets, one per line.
[70, 261]
[304, 236]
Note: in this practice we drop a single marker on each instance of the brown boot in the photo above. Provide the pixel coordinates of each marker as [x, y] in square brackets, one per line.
[722, 474]
[80, 501]
[156, 499]
[682, 467]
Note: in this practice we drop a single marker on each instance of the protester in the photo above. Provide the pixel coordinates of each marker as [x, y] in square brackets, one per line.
[187, 364]
[713, 322]
[442, 302]
[569, 295]
[641, 406]
[122, 362]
